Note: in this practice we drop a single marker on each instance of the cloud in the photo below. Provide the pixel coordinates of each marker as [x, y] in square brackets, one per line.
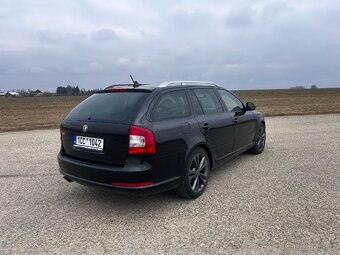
[248, 44]
[239, 18]
[104, 35]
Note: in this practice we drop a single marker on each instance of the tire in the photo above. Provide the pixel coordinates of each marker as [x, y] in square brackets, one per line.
[260, 140]
[193, 181]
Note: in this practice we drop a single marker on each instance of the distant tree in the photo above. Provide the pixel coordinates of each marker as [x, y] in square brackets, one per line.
[73, 91]
[69, 90]
[76, 91]
[23, 92]
[61, 91]
[298, 87]
[313, 87]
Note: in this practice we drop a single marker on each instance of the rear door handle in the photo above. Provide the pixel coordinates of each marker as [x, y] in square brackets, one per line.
[205, 126]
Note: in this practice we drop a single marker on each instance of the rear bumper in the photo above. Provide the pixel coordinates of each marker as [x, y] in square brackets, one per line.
[134, 171]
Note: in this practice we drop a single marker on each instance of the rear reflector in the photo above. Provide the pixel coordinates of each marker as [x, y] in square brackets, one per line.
[127, 184]
[141, 141]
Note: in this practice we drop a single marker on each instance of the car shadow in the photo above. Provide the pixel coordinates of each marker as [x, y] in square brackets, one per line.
[229, 165]
[111, 202]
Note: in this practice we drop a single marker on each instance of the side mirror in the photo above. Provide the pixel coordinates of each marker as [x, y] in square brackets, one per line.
[250, 106]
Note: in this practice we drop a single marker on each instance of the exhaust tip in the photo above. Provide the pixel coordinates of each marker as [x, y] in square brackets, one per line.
[67, 179]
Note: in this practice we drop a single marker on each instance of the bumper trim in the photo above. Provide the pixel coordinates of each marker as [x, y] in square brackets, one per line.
[152, 186]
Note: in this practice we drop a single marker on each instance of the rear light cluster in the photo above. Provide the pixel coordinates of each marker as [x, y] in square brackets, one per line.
[141, 141]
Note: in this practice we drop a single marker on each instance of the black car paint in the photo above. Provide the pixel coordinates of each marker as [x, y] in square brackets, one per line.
[117, 144]
[225, 136]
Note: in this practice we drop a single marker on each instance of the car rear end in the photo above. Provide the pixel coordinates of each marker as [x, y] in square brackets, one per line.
[100, 145]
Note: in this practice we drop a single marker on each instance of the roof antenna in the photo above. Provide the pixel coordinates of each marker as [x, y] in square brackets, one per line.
[135, 83]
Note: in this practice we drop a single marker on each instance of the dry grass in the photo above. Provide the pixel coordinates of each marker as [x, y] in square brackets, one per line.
[293, 102]
[29, 113]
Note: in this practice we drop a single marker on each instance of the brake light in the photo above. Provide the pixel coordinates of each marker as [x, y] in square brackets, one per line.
[141, 141]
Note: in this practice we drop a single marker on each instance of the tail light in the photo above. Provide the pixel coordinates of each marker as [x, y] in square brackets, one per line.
[142, 141]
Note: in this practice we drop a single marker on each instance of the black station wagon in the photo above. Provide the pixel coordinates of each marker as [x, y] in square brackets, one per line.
[155, 138]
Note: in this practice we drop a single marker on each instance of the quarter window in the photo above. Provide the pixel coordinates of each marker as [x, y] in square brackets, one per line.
[171, 105]
[208, 101]
[232, 102]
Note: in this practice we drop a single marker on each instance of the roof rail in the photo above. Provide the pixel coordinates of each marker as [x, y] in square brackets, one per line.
[181, 83]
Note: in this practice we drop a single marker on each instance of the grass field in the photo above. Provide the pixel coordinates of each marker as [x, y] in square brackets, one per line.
[293, 102]
[27, 113]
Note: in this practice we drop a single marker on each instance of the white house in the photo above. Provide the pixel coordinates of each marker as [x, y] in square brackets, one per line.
[12, 93]
[2, 94]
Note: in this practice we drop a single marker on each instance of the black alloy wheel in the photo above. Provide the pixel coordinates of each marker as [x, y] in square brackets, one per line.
[195, 176]
[260, 140]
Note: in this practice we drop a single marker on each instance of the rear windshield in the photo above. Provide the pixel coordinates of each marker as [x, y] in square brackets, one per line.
[117, 107]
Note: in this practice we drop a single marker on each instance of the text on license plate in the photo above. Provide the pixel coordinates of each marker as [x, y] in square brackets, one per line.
[88, 142]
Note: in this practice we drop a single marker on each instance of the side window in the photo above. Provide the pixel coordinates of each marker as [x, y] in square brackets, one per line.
[208, 101]
[195, 104]
[232, 102]
[171, 105]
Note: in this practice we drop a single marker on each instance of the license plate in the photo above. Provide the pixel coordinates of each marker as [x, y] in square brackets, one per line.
[88, 143]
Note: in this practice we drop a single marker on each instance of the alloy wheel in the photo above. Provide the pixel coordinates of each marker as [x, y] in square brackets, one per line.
[261, 138]
[198, 172]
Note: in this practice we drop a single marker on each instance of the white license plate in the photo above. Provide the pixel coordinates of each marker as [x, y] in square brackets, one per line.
[88, 143]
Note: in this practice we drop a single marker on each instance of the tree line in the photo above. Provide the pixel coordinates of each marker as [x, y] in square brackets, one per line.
[60, 91]
[73, 91]
[303, 87]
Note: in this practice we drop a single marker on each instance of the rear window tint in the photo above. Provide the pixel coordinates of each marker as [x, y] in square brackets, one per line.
[109, 107]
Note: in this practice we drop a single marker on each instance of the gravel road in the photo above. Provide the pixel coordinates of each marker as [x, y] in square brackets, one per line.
[284, 201]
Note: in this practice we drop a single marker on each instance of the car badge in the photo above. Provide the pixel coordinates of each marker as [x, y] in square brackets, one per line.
[85, 128]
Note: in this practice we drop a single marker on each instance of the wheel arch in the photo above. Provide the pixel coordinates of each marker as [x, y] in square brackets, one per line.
[207, 150]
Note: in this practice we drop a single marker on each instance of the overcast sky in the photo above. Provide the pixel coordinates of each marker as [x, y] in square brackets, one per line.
[239, 44]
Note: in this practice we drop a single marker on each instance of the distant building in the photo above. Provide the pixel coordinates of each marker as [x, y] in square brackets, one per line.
[39, 94]
[2, 94]
[12, 93]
